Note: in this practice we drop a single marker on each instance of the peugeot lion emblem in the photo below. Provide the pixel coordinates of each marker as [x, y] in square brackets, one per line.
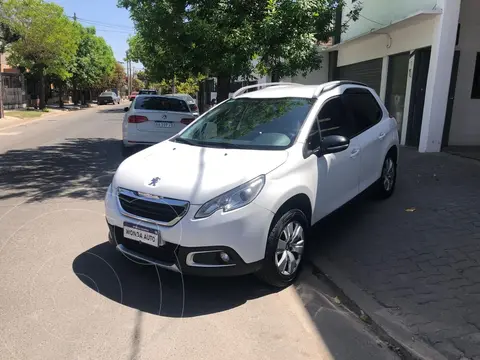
[164, 117]
[154, 181]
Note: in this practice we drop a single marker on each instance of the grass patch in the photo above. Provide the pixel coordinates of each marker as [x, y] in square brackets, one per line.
[25, 114]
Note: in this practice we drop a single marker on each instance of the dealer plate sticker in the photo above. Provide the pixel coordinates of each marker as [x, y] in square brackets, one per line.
[142, 234]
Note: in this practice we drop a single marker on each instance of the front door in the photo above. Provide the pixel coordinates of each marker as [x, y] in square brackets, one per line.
[417, 98]
[338, 173]
[451, 99]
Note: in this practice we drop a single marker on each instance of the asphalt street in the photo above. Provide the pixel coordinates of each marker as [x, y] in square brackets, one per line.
[66, 294]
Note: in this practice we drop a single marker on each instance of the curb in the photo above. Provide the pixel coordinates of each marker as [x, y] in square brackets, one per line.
[402, 341]
[45, 116]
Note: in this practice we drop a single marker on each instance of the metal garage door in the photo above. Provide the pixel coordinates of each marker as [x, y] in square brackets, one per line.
[368, 72]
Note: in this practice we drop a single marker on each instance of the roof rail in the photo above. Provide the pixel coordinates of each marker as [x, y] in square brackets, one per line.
[245, 88]
[333, 84]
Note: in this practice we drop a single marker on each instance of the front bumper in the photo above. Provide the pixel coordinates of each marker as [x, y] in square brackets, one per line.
[241, 234]
[179, 258]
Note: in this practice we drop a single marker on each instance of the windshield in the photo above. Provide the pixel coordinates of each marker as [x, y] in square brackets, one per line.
[264, 124]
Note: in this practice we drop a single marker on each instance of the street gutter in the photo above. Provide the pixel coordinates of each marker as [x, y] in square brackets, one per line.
[377, 317]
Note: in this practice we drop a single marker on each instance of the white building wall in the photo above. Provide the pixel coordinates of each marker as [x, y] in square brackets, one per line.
[376, 14]
[413, 34]
[465, 126]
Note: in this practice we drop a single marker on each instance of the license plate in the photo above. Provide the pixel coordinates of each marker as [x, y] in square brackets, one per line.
[142, 234]
[163, 124]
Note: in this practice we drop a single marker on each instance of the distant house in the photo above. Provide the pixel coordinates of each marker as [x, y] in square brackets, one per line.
[13, 85]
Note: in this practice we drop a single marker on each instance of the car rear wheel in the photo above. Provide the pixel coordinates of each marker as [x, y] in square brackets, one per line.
[285, 248]
[385, 186]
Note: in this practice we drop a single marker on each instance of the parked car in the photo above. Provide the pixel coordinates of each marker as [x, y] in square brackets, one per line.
[237, 190]
[108, 97]
[192, 104]
[133, 95]
[153, 118]
[148, 92]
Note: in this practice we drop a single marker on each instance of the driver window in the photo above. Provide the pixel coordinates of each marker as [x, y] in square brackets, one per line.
[333, 119]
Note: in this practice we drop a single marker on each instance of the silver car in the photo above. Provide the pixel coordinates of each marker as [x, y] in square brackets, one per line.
[192, 104]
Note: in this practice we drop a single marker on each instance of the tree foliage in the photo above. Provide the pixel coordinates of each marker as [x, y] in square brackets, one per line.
[222, 37]
[48, 39]
[94, 60]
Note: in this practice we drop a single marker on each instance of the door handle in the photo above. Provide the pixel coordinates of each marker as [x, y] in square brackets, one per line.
[354, 152]
[382, 135]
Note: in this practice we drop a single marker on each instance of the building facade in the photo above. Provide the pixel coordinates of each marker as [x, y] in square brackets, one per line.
[423, 58]
[13, 85]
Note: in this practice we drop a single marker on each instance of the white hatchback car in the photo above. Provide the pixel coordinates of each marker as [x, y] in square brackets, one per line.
[151, 119]
[236, 191]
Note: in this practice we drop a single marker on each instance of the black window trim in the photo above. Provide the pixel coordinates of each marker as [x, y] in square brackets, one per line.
[347, 108]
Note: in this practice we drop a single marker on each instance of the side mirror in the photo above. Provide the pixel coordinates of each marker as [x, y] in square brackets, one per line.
[126, 109]
[334, 144]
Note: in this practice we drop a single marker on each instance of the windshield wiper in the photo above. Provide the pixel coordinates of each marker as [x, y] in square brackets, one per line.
[187, 141]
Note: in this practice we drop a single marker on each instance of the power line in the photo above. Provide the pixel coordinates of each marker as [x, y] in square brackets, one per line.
[100, 23]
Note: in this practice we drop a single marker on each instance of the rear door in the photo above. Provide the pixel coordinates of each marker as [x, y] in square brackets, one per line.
[371, 130]
[157, 114]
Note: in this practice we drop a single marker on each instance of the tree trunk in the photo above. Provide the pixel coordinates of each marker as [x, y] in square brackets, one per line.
[223, 88]
[275, 77]
[60, 95]
[42, 89]
[83, 97]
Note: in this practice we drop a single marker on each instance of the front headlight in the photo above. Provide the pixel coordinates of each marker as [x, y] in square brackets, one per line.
[233, 199]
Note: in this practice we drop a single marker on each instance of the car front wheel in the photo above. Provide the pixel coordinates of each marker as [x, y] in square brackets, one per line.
[285, 247]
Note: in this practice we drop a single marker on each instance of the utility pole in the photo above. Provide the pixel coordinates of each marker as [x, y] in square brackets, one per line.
[75, 17]
[1, 88]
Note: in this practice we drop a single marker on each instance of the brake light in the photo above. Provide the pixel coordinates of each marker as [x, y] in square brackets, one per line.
[186, 121]
[136, 119]
[194, 107]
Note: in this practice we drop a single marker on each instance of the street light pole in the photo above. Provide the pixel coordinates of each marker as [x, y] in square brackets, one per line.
[1, 89]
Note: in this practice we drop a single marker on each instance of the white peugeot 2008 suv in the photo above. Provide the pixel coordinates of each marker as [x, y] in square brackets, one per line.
[236, 191]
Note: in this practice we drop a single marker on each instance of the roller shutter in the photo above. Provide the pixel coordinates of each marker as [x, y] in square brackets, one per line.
[368, 72]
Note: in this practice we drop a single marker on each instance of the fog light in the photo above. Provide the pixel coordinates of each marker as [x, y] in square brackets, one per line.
[224, 256]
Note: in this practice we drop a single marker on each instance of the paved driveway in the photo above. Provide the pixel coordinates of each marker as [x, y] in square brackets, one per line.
[418, 253]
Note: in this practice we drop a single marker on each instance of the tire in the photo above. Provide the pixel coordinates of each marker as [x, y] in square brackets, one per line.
[273, 271]
[385, 186]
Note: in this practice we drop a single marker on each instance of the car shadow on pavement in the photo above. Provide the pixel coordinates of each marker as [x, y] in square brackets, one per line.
[160, 292]
[75, 168]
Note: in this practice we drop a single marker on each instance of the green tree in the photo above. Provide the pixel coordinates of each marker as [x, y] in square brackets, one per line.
[94, 60]
[222, 37]
[48, 39]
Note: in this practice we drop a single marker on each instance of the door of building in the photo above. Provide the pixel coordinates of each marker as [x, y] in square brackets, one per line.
[417, 98]
[397, 86]
[367, 72]
[451, 99]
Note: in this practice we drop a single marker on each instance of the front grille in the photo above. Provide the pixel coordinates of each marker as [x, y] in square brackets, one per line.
[163, 210]
[165, 253]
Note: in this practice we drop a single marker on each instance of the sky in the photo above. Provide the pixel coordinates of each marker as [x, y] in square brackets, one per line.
[111, 22]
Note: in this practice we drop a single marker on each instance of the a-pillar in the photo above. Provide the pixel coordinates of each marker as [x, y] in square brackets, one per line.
[438, 82]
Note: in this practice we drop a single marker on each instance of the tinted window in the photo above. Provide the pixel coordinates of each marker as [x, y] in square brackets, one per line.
[149, 92]
[334, 120]
[160, 103]
[107, 94]
[250, 124]
[364, 108]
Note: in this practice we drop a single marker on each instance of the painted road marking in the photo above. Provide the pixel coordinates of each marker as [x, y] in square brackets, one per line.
[10, 133]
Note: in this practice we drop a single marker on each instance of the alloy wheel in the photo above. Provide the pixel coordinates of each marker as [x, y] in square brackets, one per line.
[290, 248]
[388, 174]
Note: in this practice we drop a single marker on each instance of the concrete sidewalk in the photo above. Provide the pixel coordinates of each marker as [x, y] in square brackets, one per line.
[414, 260]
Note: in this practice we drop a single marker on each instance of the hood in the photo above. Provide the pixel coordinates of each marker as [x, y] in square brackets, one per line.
[193, 173]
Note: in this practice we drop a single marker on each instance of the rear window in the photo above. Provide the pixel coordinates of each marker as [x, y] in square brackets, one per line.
[161, 104]
[106, 94]
[149, 92]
